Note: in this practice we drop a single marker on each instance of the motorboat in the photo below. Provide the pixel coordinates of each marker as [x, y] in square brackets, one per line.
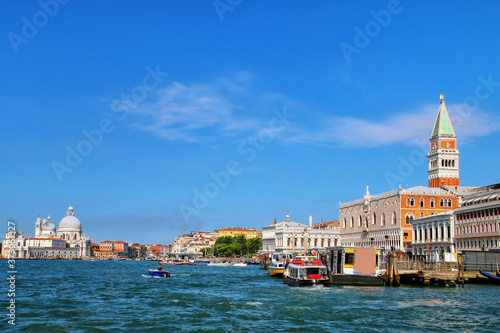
[355, 266]
[300, 273]
[222, 264]
[174, 263]
[277, 266]
[240, 264]
[158, 273]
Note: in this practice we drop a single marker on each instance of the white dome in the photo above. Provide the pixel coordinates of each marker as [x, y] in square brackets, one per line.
[70, 221]
[48, 226]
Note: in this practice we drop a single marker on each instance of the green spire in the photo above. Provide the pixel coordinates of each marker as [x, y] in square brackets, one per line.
[443, 123]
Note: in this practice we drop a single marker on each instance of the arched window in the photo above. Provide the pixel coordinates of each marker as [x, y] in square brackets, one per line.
[409, 218]
[393, 218]
[360, 221]
[450, 203]
[374, 218]
[441, 203]
[345, 222]
[352, 223]
[421, 202]
[432, 203]
[453, 163]
[382, 221]
[408, 202]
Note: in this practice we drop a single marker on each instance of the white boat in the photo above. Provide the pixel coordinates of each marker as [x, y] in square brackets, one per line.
[240, 264]
[220, 264]
[300, 272]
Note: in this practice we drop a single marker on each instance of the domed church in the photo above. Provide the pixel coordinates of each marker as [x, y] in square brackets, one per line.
[45, 229]
[70, 229]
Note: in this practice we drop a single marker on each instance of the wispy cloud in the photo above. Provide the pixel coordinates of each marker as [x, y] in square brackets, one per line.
[233, 106]
[224, 107]
[407, 127]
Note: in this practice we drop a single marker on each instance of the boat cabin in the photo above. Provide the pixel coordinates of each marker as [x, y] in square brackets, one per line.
[302, 271]
[353, 260]
[278, 259]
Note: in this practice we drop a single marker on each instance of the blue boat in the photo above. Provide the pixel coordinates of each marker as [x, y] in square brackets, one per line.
[492, 277]
[158, 273]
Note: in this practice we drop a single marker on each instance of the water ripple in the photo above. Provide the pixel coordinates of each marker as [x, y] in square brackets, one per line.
[112, 296]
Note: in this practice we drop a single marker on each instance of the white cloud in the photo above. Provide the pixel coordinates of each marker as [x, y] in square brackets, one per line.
[224, 107]
[409, 127]
[233, 107]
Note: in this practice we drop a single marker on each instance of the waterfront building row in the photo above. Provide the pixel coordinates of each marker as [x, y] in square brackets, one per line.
[475, 225]
[67, 242]
[292, 237]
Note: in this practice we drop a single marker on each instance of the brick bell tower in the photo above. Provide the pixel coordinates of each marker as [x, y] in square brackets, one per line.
[443, 156]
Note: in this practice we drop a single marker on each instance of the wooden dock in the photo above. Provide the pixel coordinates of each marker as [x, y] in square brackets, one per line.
[431, 273]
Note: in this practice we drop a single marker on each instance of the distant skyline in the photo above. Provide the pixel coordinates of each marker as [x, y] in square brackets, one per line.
[160, 118]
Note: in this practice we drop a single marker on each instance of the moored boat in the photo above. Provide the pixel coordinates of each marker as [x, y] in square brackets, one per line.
[220, 264]
[355, 266]
[491, 277]
[240, 264]
[300, 273]
[277, 266]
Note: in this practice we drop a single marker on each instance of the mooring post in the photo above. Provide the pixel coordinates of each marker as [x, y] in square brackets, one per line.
[396, 273]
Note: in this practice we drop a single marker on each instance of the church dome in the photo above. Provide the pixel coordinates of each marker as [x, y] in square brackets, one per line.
[70, 221]
[47, 225]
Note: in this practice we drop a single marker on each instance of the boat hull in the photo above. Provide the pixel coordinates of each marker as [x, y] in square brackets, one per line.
[356, 280]
[157, 273]
[240, 264]
[304, 283]
[491, 277]
[220, 264]
[275, 271]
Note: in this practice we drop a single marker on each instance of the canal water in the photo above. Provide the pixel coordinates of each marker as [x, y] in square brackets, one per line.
[113, 296]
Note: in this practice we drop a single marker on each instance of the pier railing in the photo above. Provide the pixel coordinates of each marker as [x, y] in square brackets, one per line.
[436, 266]
[439, 266]
[476, 267]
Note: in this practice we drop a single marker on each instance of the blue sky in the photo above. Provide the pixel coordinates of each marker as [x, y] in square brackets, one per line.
[286, 101]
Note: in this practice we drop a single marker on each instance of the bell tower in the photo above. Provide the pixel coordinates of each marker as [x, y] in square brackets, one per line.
[443, 155]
